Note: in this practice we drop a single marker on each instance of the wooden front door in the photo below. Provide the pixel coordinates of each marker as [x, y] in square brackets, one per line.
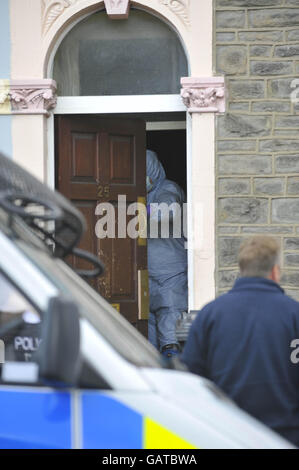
[97, 161]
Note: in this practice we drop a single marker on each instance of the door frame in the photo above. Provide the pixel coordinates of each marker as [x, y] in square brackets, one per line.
[108, 105]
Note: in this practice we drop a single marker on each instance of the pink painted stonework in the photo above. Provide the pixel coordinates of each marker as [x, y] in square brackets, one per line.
[32, 96]
[203, 95]
[117, 9]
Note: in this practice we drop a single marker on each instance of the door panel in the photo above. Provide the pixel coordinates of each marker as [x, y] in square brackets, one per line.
[84, 169]
[122, 160]
[88, 241]
[99, 160]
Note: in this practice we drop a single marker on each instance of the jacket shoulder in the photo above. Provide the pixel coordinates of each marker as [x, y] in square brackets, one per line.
[208, 309]
[291, 303]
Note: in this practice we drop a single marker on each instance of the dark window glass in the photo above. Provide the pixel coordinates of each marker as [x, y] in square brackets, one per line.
[19, 324]
[100, 56]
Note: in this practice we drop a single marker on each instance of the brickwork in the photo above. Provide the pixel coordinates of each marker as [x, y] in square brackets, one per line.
[257, 147]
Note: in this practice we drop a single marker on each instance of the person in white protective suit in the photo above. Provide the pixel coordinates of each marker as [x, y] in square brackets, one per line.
[167, 257]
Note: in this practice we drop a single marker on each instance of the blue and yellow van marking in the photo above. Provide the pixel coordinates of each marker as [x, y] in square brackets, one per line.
[109, 424]
[37, 419]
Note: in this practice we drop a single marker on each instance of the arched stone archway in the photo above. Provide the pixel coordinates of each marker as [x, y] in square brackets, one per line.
[59, 16]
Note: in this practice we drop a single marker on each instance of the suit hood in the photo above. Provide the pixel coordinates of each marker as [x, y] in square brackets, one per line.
[154, 168]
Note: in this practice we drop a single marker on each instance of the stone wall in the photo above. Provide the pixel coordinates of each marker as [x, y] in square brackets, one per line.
[257, 160]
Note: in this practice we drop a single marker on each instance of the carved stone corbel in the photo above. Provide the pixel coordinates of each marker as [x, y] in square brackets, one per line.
[203, 95]
[32, 96]
[117, 9]
[4, 97]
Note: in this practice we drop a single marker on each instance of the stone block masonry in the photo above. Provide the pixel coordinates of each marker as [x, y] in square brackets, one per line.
[257, 140]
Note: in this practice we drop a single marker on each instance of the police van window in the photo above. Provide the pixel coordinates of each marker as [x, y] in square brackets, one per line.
[113, 327]
[20, 338]
[19, 324]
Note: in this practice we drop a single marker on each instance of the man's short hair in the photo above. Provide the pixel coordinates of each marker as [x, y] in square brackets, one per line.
[258, 255]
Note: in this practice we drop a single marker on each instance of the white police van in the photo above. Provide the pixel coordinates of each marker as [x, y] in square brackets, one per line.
[76, 374]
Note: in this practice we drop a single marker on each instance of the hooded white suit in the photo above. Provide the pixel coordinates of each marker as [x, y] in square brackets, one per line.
[167, 258]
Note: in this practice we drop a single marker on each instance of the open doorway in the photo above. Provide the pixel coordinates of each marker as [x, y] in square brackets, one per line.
[100, 158]
[124, 77]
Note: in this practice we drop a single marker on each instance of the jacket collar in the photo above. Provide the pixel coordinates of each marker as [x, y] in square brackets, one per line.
[259, 283]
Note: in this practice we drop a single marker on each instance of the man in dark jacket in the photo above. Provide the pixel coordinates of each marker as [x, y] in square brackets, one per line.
[244, 341]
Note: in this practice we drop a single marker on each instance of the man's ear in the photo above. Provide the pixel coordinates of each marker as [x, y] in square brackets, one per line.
[275, 273]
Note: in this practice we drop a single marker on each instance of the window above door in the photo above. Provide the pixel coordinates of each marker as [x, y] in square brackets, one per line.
[138, 56]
